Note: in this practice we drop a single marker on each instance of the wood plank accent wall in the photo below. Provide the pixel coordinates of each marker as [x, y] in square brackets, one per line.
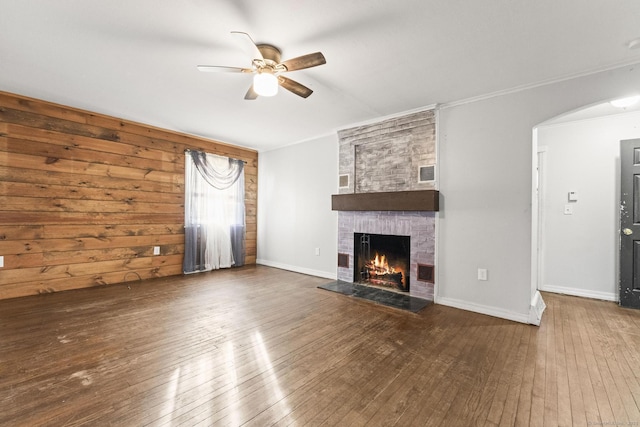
[84, 197]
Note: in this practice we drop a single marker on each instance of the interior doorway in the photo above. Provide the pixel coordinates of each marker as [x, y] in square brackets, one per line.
[575, 201]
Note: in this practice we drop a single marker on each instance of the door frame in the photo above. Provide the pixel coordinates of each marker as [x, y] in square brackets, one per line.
[538, 155]
[540, 197]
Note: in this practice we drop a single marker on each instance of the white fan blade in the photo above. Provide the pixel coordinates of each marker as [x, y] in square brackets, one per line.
[248, 45]
[222, 69]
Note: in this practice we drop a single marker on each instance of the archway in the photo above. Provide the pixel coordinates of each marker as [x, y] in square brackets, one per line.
[575, 194]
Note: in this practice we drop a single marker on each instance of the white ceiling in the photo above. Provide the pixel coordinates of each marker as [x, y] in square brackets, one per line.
[137, 59]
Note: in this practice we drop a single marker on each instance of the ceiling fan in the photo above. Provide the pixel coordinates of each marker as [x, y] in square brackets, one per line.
[267, 68]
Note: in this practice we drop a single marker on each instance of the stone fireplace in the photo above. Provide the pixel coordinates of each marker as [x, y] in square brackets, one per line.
[382, 260]
[419, 226]
[387, 188]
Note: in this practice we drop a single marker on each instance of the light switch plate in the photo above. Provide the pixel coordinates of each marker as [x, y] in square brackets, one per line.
[156, 250]
[482, 274]
[568, 209]
[1, 261]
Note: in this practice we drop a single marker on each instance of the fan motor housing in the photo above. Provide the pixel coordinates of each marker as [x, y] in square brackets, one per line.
[270, 52]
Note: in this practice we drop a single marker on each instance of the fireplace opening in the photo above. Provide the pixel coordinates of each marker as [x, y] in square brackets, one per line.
[382, 260]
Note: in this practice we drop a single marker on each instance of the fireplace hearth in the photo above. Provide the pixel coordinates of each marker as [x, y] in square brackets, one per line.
[382, 261]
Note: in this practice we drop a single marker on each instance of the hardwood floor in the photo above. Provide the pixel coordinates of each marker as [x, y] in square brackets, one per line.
[261, 346]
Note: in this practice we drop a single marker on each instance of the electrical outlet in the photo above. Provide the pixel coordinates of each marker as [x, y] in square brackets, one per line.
[482, 274]
[1, 261]
[156, 250]
[317, 251]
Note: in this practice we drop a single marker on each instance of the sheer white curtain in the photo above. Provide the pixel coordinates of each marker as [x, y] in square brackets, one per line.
[214, 212]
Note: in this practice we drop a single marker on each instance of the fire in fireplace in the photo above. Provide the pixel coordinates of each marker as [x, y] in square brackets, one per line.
[382, 260]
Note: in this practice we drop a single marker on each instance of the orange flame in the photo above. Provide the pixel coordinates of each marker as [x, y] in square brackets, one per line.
[380, 266]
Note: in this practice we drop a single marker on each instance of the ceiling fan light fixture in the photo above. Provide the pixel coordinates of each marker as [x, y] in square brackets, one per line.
[267, 69]
[265, 84]
[625, 102]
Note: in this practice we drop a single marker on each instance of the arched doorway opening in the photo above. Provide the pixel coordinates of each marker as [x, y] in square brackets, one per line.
[575, 200]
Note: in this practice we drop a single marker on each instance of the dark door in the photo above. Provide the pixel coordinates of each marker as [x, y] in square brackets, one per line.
[630, 223]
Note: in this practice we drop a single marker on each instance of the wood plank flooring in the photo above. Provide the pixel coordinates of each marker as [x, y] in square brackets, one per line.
[259, 346]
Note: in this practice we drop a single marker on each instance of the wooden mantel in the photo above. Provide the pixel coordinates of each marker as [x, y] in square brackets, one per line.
[425, 200]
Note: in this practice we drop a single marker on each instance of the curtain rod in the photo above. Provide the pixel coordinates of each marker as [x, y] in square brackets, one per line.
[187, 150]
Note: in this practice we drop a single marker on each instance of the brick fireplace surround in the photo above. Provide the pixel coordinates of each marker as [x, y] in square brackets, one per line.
[383, 157]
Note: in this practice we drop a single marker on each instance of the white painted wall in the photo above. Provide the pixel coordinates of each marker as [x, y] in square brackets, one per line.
[295, 185]
[485, 164]
[580, 251]
[485, 179]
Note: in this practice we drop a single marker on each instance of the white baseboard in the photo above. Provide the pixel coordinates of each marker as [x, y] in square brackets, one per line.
[606, 296]
[537, 308]
[308, 271]
[483, 309]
